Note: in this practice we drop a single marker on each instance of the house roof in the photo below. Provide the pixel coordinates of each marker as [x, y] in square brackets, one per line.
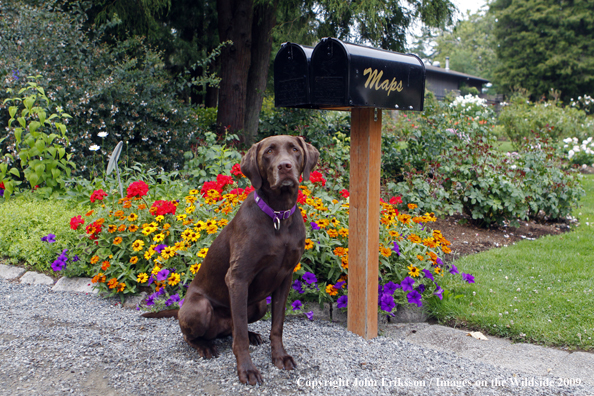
[464, 76]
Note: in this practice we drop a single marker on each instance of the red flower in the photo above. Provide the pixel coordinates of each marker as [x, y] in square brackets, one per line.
[2, 186]
[345, 193]
[210, 185]
[316, 177]
[163, 208]
[76, 221]
[236, 170]
[248, 190]
[236, 191]
[98, 195]
[94, 229]
[395, 200]
[137, 189]
[301, 198]
[223, 180]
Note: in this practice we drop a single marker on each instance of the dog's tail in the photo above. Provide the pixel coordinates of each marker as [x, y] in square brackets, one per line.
[170, 313]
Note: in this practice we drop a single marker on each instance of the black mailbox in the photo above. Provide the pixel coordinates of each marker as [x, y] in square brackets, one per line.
[343, 75]
[291, 76]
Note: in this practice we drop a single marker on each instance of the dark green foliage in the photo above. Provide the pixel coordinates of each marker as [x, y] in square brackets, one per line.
[545, 44]
[123, 90]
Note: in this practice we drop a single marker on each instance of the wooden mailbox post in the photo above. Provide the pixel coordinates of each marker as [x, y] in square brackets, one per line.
[339, 76]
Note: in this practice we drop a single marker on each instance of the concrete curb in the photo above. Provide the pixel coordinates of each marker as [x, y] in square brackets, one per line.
[35, 278]
[9, 272]
[78, 285]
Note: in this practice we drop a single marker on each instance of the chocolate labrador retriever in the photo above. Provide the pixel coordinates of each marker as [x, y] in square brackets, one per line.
[252, 258]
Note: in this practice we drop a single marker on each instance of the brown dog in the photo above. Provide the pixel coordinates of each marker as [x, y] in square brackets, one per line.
[252, 258]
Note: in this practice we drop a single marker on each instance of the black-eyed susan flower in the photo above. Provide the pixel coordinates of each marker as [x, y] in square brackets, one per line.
[112, 228]
[159, 237]
[413, 271]
[174, 279]
[308, 244]
[343, 232]
[133, 260]
[132, 217]
[138, 245]
[117, 240]
[202, 253]
[181, 217]
[142, 277]
[195, 268]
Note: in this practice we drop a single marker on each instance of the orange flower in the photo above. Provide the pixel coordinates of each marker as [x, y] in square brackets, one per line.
[414, 238]
[297, 268]
[404, 218]
[331, 290]
[340, 251]
[121, 287]
[105, 265]
[133, 260]
[412, 206]
[112, 228]
[133, 228]
[141, 207]
[113, 283]
[122, 228]
[117, 241]
[98, 278]
[95, 259]
[446, 249]
[432, 255]
[308, 244]
[344, 232]
[332, 233]
[118, 213]
[90, 212]
[127, 203]
[420, 257]
[345, 262]
[385, 251]
[100, 221]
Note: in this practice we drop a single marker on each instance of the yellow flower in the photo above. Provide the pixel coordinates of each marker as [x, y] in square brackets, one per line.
[438, 270]
[308, 244]
[142, 277]
[168, 252]
[133, 260]
[414, 238]
[194, 192]
[297, 268]
[117, 240]
[156, 270]
[138, 245]
[173, 279]
[181, 217]
[430, 243]
[420, 257]
[133, 217]
[195, 268]
[190, 199]
[404, 218]
[385, 251]
[223, 222]
[413, 271]
[200, 225]
[344, 232]
[412, 206]
[393, 233]
[159, 218]
[194, 236]
[334, 222]
[331, 290]
[159, 237]
[335, 201]
[166, 226]
[95, 259]
[112, 228]
[146, 231]
[202, 253]
[149, 253]
[133, 228]
[190, 209]
[212, 229]
[446, 249]
[332, 233]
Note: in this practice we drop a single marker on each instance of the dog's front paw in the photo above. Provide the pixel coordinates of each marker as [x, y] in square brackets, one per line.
[249, 374]
[284, 362]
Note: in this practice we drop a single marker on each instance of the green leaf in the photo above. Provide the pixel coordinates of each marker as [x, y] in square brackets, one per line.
[56, 173]
[33, 126]
[40, 145]
[52, 151]
[12, 111]
[61, 152]
[17, 134]
[15, 172]
[22, 121]
[33, 179]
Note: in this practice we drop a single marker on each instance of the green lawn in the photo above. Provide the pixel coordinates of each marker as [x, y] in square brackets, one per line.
[504, 146]
[535, 291]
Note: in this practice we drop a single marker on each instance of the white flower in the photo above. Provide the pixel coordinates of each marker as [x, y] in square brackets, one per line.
[576, 148]
[102, 134]
[513, 167]
[94, 147]
[575, 140]
[565, 145]
[570, 154]
[567, 140]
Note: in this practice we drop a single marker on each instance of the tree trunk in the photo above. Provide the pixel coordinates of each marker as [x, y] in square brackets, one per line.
[262, 25]
[235, 24]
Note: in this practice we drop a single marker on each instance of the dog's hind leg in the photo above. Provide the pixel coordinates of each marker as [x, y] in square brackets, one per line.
[255, 313]
[199, 324]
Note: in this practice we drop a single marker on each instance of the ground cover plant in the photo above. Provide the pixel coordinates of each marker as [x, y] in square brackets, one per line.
[534, 291]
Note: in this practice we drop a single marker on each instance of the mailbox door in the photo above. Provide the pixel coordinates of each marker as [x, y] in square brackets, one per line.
[291, 76]
[330, 74]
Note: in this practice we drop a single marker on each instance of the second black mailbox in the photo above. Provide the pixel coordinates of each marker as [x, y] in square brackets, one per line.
[343, 75]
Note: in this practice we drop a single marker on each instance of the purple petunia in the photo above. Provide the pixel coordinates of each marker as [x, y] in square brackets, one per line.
[414, 298]
[390, 287]
[338, 285]
[439, 262]
[297, 305]
[297, 286]
[309, 315]
[407, 284]
[181, 302]
[454, 270]
[268, 300]
[309, 278]
[420, 288]
[150, 300]
[151, 279]
[438, 292]
[49, 238]
[60, 263]
[427, 274]
[163, 275]
[160, 248]
[172, 299]
[468, 278]
[396, 248]
[387, 303]
[75, 258]
[314, 226]
[342, 302]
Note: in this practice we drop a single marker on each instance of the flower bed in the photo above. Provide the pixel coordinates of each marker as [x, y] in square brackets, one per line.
[140, 241]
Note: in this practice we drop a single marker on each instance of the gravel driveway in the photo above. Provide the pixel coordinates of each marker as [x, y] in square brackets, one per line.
[67, 343]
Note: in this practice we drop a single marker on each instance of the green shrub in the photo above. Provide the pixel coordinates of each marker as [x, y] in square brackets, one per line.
[25, 219]
[524, 119]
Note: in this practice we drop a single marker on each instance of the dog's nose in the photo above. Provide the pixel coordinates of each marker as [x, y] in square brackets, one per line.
[285, 166]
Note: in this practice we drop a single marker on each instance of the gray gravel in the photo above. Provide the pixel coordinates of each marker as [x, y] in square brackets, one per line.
[68, 343]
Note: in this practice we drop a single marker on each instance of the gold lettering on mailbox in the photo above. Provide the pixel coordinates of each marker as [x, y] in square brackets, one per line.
[373, 81]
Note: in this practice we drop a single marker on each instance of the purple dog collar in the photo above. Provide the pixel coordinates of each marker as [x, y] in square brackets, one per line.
[276, 216]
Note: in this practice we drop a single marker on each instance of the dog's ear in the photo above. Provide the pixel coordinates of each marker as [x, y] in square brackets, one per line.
[310, 159]
[249, 166]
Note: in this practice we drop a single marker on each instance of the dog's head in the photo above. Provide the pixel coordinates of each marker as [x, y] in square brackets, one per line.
[278, 161]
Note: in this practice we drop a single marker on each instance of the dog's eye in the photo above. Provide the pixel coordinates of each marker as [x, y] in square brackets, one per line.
[269, 151]
[295, 149]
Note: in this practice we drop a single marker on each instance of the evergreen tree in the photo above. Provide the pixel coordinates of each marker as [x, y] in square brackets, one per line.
[544, 45]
